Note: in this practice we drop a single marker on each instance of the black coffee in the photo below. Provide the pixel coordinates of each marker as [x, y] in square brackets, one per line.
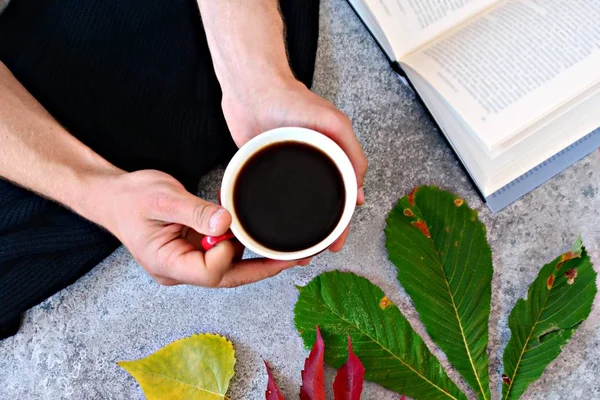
[289, 196]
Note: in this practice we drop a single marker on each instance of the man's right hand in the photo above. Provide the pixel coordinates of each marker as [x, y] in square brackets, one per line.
[150, 212]
[162, 225]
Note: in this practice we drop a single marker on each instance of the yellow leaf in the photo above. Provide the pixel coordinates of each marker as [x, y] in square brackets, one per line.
[195, 368]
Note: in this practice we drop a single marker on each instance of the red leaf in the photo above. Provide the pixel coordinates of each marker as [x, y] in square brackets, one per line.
[349, 380]
[313, 375]
[272, 392]
[403, 397]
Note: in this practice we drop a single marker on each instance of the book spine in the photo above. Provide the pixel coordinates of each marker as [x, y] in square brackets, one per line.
[539, 174]
[439, 128]
[394, 63]
[398, 69]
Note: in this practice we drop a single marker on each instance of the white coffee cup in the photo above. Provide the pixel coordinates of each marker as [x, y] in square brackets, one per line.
[269, 138]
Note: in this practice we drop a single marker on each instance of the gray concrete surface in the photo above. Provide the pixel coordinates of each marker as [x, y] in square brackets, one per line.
[69, 344]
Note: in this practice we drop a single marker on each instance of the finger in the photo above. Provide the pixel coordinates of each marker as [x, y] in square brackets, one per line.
[339, 243]
[165, 281]
[254, 270]
[238, 249]
[304, 262]
[194, 238]
[202, 269]
[343, 134]
[220, 258]
[360, 200]
[189, 210]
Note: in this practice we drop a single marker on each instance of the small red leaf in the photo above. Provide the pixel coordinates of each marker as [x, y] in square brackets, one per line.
[348, 383]
[313, 375]
[272, 392]
[506, 379]
[403, 397]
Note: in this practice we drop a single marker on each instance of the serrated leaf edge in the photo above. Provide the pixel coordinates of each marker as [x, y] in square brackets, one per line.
[578, 249]
[128, 363]
[412, 203]
[392, 354]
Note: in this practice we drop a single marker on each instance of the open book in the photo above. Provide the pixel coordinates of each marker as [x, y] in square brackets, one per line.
[513, 84]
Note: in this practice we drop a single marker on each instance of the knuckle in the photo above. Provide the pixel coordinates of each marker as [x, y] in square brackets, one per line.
[153, 270]
[213, 280]
[160, 266]
[163, 201]
[271, 274]
[342, 120]
[164, 281]
[201, 215]
[141, 260]
[229, 284]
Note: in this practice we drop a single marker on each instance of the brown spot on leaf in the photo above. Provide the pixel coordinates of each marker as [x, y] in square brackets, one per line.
[506, 379]
[408, 212]
[473, 218]
[569, 255]
[411, 196]
[458, 202]
[456, 243]
[384, 303]
[447, 229]
[422, 226]
[571, 275]
[550, 281]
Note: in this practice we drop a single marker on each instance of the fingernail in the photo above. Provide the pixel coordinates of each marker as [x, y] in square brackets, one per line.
[213, 224]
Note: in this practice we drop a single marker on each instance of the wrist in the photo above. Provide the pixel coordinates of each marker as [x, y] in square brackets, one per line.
[252, 95]
[247, 46]
[91, 194]
[257, 80]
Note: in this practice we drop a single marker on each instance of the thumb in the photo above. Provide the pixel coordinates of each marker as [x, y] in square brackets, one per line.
[204, 217]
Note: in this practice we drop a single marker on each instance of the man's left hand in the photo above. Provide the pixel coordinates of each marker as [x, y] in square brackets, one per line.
[290, 103]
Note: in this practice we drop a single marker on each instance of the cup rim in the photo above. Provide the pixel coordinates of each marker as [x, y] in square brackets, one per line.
[287, 134]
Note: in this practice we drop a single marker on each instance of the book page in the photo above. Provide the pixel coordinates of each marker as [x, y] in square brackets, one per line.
[410, 24]
[515, 64]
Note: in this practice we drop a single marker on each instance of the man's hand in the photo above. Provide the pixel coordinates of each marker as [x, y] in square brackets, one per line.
[290, 103]
[162, 225]
[150, 212]
[247, 46]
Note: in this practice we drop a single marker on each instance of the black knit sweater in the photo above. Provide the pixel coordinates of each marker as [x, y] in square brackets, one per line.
[134, 81]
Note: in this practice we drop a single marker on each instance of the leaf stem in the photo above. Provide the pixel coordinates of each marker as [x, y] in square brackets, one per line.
[393, 355]
[462, 335]
[512, 378]
[460, 325]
